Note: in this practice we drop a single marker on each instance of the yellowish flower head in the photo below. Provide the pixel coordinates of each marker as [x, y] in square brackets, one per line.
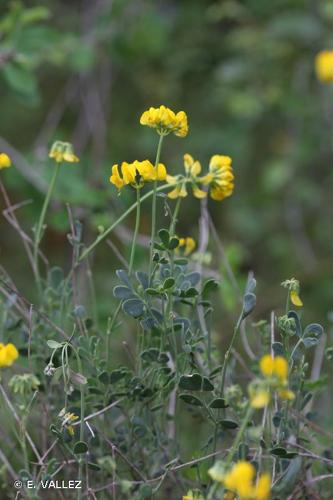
[8, 354]
[5, 161]
[241, 481]
[277, 367]
[187, 244]
[275, 371]
[63, 152]
[192, 170]
[165, 121]
[324, 66]
[220, 177]
[137, 173]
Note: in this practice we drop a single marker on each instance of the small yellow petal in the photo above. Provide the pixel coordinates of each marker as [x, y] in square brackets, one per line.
[263, 488]
[199, 193]
[295, 298]
[267, 365]
[5, 161]
[280, 368]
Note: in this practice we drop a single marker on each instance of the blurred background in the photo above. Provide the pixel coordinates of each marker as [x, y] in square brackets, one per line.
[243, 71]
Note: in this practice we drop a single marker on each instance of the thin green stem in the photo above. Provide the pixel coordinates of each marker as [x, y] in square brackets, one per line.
[248, 415]
[136, 230]
[39, 229]
[82, 411]
[228, 352]
[102, 236]
[174, 217]
[153, 211]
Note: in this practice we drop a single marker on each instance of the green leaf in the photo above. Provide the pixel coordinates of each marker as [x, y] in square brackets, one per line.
[295, 317]
[218, 403]
[191, 382]
[209, 286]
[278, 451]
[310, 342]
[191, 400]
[249, 303]
[164, 237]
[314, 329]
[133, 307]
[123, 276]
[53, 344]
[168, 283]
[122, 292]
[173, 243]
[117, 375]
[80, 447]
[228, 424]
[278, 349]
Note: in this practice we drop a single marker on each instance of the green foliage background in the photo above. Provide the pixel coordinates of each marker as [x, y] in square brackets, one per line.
[243, 71]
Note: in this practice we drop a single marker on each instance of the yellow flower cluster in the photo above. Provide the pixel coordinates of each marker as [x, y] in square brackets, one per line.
[63, 151]
[137, 173]
[275, 371]
[8, 354]
[187, 245]
[165, 121]
[219, 179]
[240, 480]
[324, 66]
[5, 161]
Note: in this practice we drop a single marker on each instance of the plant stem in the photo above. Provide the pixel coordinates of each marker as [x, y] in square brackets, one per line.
[39, 229]
[228, 352]
[82, 409]
[153, 211]
[136, 230]
[102, 237]
[174, 217]
[248, 415]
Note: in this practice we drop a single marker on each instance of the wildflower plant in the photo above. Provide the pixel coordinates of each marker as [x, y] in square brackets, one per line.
[184, 415]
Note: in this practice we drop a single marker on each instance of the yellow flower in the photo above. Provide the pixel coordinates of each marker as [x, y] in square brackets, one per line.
[63, 151]
[220, 177]
[8, 354]
[324, 66]
[165, 121]
[5, 161]
[295, 298]
[188, 244]
[240, 480]
[137, 173]
[263, 488]
[277, 367]
[192, 170]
